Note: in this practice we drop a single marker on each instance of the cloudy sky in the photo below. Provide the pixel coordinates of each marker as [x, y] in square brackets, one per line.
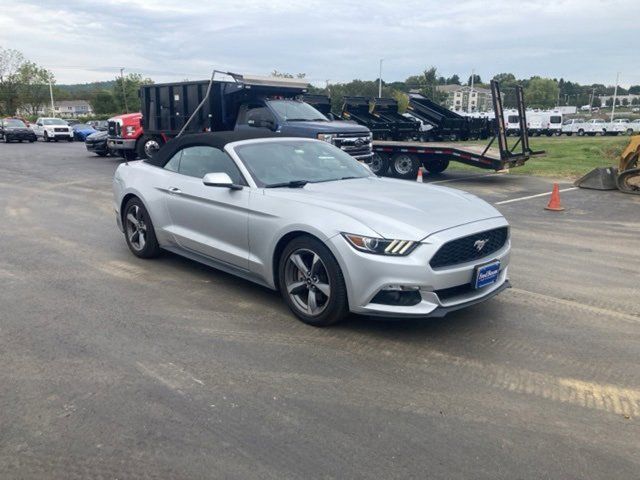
[82, 40]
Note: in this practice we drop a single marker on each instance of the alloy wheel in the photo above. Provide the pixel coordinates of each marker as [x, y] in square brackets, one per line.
[307, 282]
[151, 147]
[136, 228]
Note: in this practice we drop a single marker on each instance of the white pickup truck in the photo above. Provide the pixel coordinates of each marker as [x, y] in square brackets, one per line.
[620, 125]
[573, 125]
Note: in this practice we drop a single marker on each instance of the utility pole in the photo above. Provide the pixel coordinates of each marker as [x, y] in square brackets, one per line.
[380, 80]
[53, 108]
[615, 94]
[473, 74]
[593, 94]
[124, 93]
[327, 87]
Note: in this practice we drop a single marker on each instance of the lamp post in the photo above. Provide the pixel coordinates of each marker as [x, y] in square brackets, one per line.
[380, 80]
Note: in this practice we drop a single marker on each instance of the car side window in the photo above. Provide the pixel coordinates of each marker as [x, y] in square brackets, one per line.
[173, 164]
[254, 113]
[198, 161]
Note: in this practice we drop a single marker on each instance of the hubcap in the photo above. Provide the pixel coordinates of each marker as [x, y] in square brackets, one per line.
[136, 228]
[307, 282]
[376, 163]
[403, 165]
[151, 147]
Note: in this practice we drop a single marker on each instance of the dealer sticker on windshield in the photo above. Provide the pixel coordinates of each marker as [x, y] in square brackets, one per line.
[486, 274]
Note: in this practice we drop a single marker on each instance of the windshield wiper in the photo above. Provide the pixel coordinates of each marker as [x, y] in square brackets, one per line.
[349, 178]
[291, 184]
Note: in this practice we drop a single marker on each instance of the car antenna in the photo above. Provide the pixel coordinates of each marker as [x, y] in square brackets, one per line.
[206, 96]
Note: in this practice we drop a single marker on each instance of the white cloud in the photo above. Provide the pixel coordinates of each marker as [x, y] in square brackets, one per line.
[581, 40]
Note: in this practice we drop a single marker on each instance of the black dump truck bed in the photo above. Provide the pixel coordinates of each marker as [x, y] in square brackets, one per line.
[167, 107]
[322, 103]
[446, 123]
[358, 110]
[402, 128]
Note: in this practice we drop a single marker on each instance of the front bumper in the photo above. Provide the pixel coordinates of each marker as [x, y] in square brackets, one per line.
[96, 146]
[121, 143]
[20, 136]
[441, 290]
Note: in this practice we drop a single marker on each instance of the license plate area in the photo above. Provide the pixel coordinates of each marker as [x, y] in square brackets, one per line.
[485, 274]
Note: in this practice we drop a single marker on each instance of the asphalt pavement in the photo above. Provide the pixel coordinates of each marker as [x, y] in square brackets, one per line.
[117, 367]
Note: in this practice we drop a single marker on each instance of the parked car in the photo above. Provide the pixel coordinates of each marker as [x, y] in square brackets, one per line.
[81, 131]
[304, 217]
[100, 125]
[595, 126]
[15, 129]
[573, 125]
[71, 122]
[50, 128]
[97, 143]
[635, 109]
[621, 125]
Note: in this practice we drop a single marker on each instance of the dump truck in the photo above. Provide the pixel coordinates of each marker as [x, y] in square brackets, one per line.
[242, 103]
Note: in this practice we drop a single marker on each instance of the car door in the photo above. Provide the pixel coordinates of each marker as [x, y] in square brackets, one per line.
[255, 116]
[211, 221]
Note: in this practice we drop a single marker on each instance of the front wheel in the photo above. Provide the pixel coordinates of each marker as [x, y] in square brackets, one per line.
[379, 164]
[630, 131]
[148, 146]
[405, 166]
[311, 282]
[70, 139]
[138, 230]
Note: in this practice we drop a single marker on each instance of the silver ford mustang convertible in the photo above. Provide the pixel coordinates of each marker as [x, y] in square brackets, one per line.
[303, 217]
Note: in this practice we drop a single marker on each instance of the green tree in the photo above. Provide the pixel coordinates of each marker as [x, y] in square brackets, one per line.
[33, 87]
[453, 79]
[103, 103]
[10, 63]
[476, 80]
[128, 88]
[634, 90]
[541, 92]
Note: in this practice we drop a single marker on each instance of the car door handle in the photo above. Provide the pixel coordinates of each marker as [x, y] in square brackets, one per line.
[174, 190]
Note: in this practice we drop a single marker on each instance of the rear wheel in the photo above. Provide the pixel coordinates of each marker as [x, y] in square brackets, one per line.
[436, 166]
[404, 166]
[630, 131]
[581, 133]
[379, 164]
[138, 230]
[311, 282]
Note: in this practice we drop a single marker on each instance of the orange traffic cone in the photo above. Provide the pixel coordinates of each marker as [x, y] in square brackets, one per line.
[419, 179]
[554, 202]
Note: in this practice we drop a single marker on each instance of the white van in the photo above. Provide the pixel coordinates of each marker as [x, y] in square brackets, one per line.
[552, 123]
[534, 122]
[512, 122]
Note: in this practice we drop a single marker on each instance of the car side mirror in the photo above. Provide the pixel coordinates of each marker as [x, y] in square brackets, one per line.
[220, 179]
[270, 124]
[39, 124]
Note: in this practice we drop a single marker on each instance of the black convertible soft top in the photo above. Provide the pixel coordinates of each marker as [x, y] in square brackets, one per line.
[213, 139]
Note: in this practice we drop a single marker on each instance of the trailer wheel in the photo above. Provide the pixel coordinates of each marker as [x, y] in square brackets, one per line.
[569, 134]
[379, 164]
[581, 133]
[148, 146]
[436, 166]
[405, 166]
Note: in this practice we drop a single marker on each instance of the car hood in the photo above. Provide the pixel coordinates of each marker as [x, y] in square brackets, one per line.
[97, 136]
[393, 208]
[17, 129]
[325, 127]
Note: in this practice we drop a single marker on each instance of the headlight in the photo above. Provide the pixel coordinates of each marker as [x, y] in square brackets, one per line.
[380, 246]
[130, 130]
[326, 137]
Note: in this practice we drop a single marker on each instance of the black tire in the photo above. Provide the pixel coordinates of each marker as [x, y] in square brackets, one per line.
[20, 141]
[379, 164]
[569, 134]
[581, 133]
[436, 166]
[70, 139]
[335, 306]
[140, 236]
[6, 139]
[45, 137]
[629, 131]
[31, 140]
[404, 166]
[148, 145]
[102, 154]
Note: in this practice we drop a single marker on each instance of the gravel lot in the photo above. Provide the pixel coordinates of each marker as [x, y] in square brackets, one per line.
[116, 367]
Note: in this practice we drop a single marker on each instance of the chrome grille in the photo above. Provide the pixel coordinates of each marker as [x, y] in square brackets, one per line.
[355, 144]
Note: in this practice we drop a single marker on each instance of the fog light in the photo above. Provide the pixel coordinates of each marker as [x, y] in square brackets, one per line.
[401, 296]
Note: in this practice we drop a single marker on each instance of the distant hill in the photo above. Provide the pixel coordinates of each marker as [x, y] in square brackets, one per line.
[79, 90]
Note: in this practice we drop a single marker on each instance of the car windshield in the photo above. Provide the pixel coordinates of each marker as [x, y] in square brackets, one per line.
[54, 121]
[13, 122]
[296, 111]
[82, 126]
[294, 163]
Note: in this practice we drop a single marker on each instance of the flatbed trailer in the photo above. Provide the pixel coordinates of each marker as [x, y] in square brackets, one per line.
[403, 158]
